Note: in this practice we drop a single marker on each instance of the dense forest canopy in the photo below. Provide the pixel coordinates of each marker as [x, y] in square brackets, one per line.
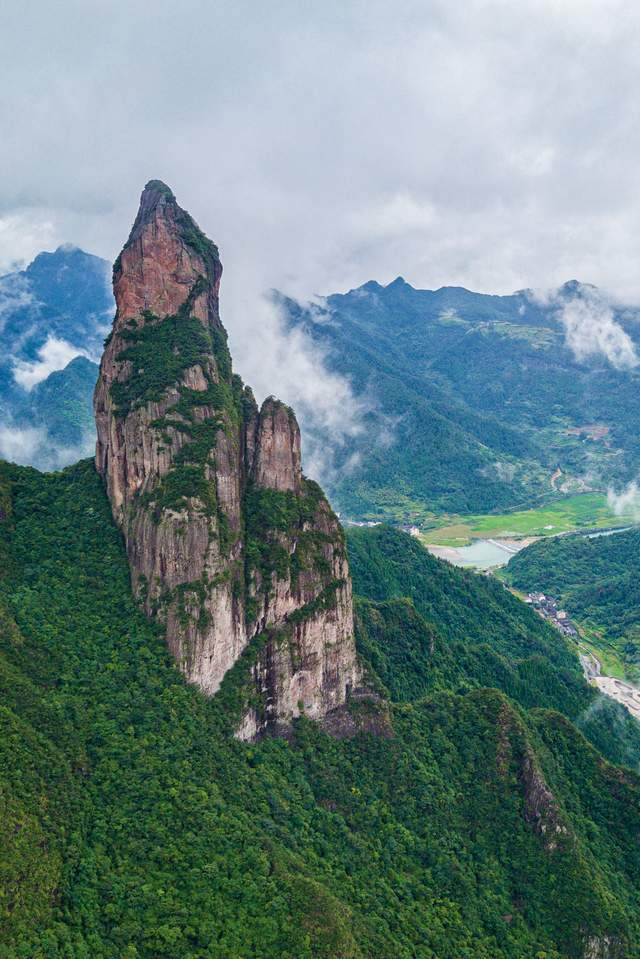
[597, 579]
[134, 824]
[475, 400]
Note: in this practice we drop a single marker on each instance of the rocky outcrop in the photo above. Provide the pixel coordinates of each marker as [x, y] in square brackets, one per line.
[603, 947]
[227, 541]
[275, 462]
[540, 806]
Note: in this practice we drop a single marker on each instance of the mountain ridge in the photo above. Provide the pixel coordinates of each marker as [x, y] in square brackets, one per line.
[476, 385]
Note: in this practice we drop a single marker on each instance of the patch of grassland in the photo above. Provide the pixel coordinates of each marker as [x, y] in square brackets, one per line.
[581, 511]
[604, 650]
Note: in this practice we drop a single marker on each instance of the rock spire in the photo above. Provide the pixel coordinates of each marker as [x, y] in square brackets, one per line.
[226, 538]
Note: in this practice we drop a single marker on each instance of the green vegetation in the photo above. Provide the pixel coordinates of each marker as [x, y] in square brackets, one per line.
[583, 510]
[481, 636]
[132, 824]
[195, 238]
[597, 579]
[272, 519]
[477, 402]
[63, 405]
[160, 351]
[160, 187]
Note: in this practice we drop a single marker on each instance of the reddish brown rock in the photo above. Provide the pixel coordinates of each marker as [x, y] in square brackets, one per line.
[225, 537]
[277, 460]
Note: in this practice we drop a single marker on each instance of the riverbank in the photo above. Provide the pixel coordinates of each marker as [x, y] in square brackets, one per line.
[618, 689]
[481, 553]
[582, 511]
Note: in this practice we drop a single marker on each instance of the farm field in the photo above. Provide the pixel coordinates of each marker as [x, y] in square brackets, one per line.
[580, 511]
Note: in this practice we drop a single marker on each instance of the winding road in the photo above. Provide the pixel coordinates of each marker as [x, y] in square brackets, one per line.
[624, 693]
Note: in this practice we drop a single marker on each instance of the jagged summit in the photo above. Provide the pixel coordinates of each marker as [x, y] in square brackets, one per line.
[159, 206]
[159, 187]
[226, 538]
[50, 261]
[156, 194]
[371, 286]
[398, 284]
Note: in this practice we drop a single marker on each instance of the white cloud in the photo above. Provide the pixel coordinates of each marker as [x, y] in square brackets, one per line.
[435, 148]
[533, 161]
[22, 235]
[273, 359]
[626, 503]
[14, 295]
[591, 329]
[20, 445]
[589, 323]
[32, 446]
[55, 354]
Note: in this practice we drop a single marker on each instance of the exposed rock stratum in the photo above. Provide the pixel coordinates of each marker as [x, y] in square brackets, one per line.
[227, 540]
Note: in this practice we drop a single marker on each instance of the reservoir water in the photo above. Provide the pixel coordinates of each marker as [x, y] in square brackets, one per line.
[481, 554]
[489, 553]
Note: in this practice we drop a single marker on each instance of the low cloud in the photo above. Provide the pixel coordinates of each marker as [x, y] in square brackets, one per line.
[54, 355]
[590, 326]
[14, 295]
[32, 446]
[20, 445]
[22, 234]
[288, 362]
[626, 503]
[591, 330]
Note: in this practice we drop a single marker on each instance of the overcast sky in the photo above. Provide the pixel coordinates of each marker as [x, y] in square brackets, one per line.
[493, 145]
[321, 144]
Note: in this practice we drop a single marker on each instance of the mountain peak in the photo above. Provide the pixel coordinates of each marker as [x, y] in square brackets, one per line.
[398, 284]
[53, 260]
[164, 256]
[572, 286]
[225, 537]
[155, 194]
[160, 215]
[577, 288]
[371, 286]
[160, 188]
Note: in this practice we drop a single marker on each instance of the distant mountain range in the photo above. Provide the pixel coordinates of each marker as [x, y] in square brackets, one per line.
[475, 402]
[54, 316]
[478, 400]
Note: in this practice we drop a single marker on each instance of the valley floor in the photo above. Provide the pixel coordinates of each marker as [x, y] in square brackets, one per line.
[624, 693]
[571, 513]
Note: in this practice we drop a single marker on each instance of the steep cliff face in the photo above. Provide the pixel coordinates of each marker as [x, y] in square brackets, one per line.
[225, 537]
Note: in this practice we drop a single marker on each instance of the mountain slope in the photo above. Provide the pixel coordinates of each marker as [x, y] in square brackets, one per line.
[478, 830]
[479, 399]
[596, 579]
[477, 633]
[58, 308]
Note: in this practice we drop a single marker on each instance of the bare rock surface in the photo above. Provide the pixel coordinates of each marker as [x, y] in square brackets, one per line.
[226, 539]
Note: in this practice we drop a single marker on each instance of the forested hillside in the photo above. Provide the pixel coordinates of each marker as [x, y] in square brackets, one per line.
[133, 824]
[477, 399]
[597, 579]
[480, 635]
[53, 317]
